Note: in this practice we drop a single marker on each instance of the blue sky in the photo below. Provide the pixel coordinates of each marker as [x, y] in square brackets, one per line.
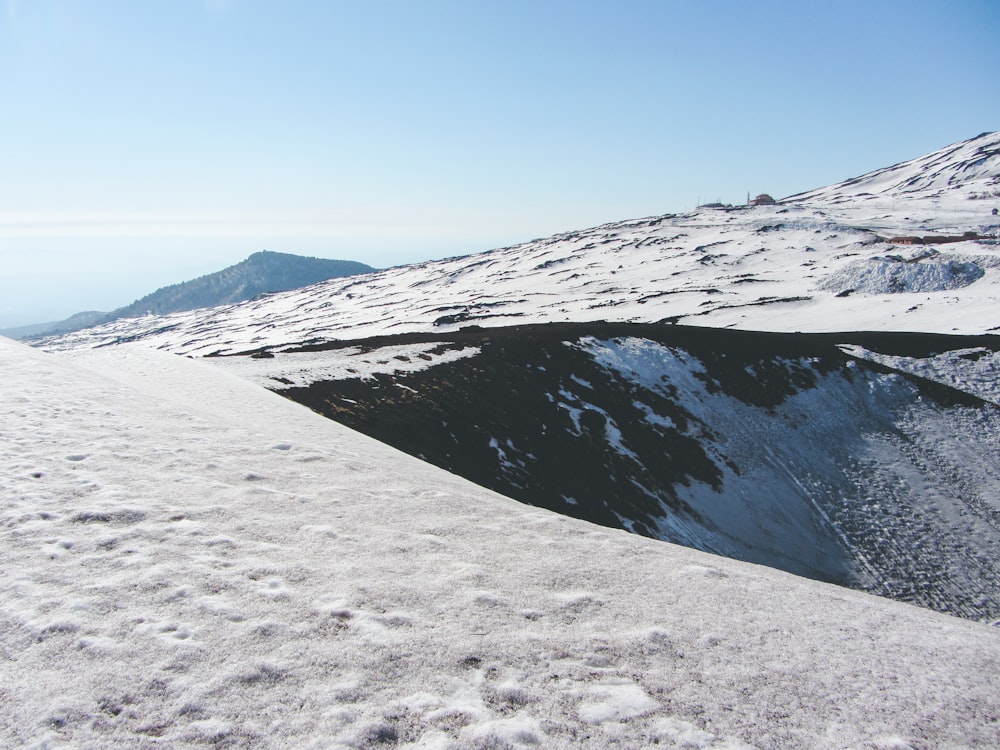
[147, 142]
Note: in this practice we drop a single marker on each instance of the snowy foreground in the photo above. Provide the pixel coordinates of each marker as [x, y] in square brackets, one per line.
[189, 560]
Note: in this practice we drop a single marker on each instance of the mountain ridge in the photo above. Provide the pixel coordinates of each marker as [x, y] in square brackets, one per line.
[965, 168]
[264, 272]
[824, 266]
[72, 323]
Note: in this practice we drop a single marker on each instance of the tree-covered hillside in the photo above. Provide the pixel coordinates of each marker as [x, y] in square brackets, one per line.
[262, 272]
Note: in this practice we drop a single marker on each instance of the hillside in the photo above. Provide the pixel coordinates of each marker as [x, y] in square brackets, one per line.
[262, 273]
[191, 561]
[53, 328]
[944, 179]
[828, 265]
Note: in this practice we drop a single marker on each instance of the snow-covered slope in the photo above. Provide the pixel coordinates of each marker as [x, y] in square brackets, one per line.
[818, 262]
[956, 173]
[188, 560]
[951, 191]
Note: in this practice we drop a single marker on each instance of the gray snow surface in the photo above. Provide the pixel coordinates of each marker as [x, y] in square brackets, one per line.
[188, 560]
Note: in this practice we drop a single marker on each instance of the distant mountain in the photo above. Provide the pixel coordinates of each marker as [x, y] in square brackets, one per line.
[73, 323]
[262, 273]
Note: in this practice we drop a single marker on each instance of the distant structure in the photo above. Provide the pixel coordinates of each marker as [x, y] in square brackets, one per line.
[932, 239]
[762, 200]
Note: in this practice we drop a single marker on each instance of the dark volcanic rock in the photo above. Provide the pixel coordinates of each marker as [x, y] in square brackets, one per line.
[774, 448]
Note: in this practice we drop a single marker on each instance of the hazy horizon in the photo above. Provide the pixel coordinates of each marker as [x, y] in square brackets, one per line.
[151, 144]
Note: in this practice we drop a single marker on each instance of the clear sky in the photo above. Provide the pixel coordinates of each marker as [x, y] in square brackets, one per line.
[146, 142]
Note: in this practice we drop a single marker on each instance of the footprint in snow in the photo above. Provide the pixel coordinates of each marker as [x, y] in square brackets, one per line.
[705, 570]
[578, 601]
[171, 632]
[77, 457]
[682, 733]
[488, 599]
[119, 516]
[275, 588]
[599, 661]
[614, 700]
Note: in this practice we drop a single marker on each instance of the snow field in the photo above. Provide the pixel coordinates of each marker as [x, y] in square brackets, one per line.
[187, 560]
[775, 268]
[303, 368]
